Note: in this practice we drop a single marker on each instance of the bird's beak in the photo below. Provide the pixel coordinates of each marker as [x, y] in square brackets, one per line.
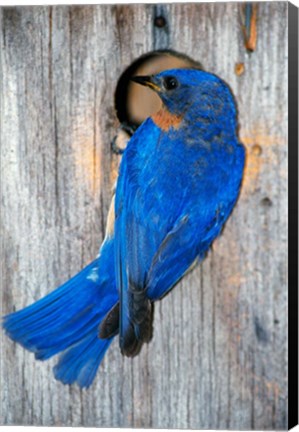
[148, 81]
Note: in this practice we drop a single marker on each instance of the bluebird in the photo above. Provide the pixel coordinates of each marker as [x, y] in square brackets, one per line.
[179, 179]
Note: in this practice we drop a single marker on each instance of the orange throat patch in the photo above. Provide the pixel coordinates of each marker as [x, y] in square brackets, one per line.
[165, 120]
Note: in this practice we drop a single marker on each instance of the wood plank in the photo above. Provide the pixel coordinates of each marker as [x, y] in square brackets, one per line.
[218, 356]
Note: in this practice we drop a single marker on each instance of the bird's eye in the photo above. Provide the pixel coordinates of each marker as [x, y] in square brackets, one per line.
[170, 83]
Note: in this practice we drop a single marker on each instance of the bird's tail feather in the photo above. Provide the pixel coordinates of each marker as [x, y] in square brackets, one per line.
[67, 320]
[81, 361]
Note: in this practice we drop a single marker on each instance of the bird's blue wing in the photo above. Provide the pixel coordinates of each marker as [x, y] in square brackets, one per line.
[194, 232]
[173, 258]
[148, 271]
[134, 247]
[185, 245]
[166, 218]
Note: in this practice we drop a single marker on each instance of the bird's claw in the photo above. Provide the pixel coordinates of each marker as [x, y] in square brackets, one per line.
[115, 148]
[129, 130]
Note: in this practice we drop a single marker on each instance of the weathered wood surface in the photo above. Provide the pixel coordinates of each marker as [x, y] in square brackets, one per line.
[218, 356]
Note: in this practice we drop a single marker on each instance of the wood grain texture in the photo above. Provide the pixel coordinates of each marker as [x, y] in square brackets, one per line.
[218, 358]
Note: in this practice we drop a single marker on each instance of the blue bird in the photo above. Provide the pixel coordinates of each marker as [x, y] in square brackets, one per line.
[179, 180]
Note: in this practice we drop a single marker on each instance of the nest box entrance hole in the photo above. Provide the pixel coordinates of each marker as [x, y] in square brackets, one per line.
[134, 103]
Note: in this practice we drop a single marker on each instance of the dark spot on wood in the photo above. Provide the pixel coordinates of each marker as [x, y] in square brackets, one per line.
[239, 69]
[160, 21]
[123, 15]
[12, 17]
[29, 26]
[276, 321]
[260, 331]
[266, 202]
[257, 150]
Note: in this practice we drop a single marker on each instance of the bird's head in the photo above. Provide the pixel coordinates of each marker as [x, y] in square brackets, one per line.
[192, 94]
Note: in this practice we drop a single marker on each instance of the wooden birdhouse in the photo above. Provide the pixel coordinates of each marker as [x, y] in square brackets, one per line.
[218, 358]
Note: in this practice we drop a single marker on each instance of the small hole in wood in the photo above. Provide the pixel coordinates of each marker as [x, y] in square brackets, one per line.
[260, 331]
[257, 150]
[134, 103]
[239, 69]
[266, 202]
[160, 21]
